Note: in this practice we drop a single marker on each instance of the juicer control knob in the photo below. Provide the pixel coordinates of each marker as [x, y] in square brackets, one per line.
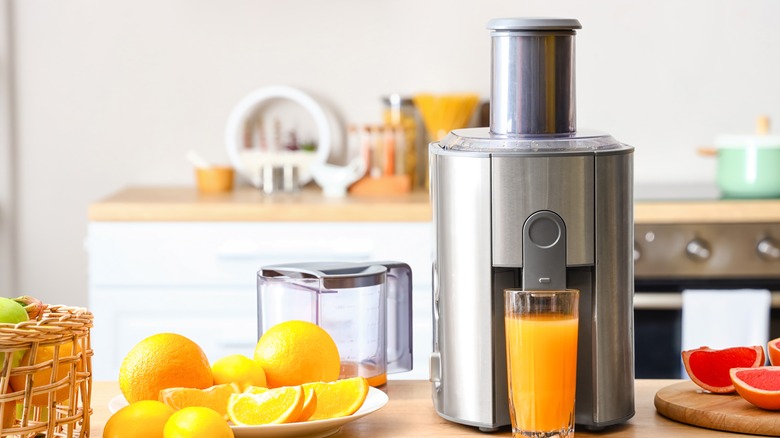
[768, 249]
[698, 250]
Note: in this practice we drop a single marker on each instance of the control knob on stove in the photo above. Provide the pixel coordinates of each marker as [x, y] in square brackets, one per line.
[768, 249]
[698, 250]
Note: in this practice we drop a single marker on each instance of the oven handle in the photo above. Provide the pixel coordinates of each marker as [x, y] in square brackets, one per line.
[673, 300]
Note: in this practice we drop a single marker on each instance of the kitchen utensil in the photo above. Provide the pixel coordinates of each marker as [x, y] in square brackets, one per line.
[685, 402]
[365, 307]
[748, 165]
[196, 160]
[502, 198]
[249, 162]
[335, 180]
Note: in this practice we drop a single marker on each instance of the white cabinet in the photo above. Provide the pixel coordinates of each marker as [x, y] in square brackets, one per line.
[198, 279]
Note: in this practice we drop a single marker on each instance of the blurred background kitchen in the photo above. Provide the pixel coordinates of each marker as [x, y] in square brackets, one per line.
[96, 96]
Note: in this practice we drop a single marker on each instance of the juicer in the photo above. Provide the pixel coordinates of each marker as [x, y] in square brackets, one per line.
[531, 202]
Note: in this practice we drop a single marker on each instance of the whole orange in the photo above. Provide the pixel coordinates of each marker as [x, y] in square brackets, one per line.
[161, 361]
[197, 422]
[297, 352]
[143, 419]
[237, 368]
[45, 354]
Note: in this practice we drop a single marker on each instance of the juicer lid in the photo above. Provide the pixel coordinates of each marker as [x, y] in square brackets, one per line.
[536, 23]
[483, 140]
[333, 275]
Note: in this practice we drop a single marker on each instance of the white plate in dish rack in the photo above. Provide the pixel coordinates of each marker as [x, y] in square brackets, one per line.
[375, 400]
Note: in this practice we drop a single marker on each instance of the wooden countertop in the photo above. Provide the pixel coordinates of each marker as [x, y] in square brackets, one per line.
[410, 413]
[249, 204]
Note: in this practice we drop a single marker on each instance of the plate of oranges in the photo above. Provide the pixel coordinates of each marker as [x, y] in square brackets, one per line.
[291, 388]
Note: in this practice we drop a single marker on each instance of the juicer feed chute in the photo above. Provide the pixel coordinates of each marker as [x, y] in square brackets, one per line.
[531, 202]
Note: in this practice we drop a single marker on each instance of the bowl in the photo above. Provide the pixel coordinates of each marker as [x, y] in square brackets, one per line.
[214, 179]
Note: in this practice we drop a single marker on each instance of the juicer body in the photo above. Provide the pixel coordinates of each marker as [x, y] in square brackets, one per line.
[498, 195]
[480, 202]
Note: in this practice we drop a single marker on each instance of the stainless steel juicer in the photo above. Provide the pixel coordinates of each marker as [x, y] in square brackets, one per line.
[500, 197]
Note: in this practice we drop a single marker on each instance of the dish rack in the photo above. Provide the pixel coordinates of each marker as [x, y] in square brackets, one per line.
[46, 374]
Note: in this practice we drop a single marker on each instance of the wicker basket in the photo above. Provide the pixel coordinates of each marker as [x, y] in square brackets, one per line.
[48, 393]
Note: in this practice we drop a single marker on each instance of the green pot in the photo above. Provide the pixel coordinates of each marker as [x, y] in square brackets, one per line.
[749, 166]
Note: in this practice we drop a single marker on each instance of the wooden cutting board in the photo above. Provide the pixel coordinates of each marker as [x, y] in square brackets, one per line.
[687, 403]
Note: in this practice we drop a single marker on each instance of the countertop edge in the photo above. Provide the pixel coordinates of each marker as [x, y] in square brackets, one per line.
[184, 204]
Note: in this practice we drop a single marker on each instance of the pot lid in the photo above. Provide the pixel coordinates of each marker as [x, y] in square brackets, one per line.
[761, 139]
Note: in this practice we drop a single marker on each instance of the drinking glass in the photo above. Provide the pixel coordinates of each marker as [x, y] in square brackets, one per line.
[541, 352]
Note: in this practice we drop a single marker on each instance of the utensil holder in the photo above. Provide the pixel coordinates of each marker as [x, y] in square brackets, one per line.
[40, 399]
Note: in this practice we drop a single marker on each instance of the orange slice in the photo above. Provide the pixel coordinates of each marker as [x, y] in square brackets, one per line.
[773, 348]
[215, 397]
[254, 389]
[275, 406]
[340, 398]
[759, 386]
[309, 404]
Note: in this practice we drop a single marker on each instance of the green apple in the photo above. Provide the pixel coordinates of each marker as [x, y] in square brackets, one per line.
[12, 312]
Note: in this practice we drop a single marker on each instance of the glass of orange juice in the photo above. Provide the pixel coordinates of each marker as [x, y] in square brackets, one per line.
[541, 353]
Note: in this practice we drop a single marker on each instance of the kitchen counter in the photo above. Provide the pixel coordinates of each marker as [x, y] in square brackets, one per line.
[410, 413]
[246, 204]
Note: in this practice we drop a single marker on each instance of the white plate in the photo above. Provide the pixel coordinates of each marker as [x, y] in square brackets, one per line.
[308, 429]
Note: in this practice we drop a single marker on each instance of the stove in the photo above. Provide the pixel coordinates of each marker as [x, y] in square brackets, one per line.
[672, 257]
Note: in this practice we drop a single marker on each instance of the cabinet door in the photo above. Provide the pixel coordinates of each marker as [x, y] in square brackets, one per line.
[199, 279]
[221, 320]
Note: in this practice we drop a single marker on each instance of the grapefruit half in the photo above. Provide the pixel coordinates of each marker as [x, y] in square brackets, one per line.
[709, 368]
[773, 350]
[759, 386]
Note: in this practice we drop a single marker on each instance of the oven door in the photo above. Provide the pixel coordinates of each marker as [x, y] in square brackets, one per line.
[658, 321]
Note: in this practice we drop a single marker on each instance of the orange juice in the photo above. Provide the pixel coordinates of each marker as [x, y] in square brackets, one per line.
[542, 370]
[376, 377]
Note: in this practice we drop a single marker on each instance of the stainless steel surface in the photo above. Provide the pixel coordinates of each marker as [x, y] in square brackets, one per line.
[532, 88]
[583, 142]
[735, 251]
[272, 178]
[523, 185]
[291, 179]
[612, 353]
[484, 185]
[464, 386]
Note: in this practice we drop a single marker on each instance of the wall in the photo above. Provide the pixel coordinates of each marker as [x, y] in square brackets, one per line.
[110, 94]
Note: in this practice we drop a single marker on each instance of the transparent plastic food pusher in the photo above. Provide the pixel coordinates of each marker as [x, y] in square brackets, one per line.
[365, 307]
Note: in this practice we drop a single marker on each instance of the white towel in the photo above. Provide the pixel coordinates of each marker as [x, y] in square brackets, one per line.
[725, 318]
